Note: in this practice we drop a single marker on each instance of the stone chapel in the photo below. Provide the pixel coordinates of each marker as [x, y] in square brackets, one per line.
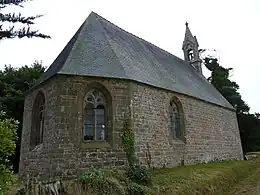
[74, 115]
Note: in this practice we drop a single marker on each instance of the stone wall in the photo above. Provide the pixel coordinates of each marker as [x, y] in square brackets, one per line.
[38, 161]
[211, 131]
[63, 150]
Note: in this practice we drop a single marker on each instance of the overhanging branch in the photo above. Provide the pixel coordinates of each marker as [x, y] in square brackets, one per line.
[20, 33]
[18, 18]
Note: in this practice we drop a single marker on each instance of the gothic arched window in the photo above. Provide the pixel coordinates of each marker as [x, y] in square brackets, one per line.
[176, 120]
[94, 116]
[37, 130]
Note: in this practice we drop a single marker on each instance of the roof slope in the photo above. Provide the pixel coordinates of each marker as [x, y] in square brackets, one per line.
[100, 48]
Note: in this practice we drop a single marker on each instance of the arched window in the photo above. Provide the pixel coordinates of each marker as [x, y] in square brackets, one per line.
[176, 120]
[94, 116]
[38, 120]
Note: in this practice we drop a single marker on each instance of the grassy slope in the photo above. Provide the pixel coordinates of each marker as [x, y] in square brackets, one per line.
[225, 178]
[249, 186]
[212, 178]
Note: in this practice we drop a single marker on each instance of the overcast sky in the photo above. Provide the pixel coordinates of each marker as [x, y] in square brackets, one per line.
[232, 27]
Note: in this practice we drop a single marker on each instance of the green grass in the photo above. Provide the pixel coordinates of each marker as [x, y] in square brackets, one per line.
[225, 178]
[248, 185]
[211, 178]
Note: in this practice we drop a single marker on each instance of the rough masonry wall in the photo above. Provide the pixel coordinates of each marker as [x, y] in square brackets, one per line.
[211, 131]
[63, 152]
[37, 161]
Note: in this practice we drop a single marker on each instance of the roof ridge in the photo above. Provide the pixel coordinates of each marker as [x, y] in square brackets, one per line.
[142, 39]
[163, 50]
[135, 36]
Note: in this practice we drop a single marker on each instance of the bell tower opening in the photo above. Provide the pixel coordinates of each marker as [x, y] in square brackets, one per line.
[190, 49]
[190, 55]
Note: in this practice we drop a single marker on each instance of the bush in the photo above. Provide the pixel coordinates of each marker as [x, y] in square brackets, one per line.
[139, 174]
[135, 189]
[8, 129]
[102, 181]
[96, 181]
[6, 178]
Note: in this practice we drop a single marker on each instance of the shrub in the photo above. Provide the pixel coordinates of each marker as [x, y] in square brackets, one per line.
[97, 181]
[139, 174]
[8, 129]
[135, 189]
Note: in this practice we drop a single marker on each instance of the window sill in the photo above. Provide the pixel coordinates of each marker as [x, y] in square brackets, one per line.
[174, 141]
[37, 148]
[94, 144]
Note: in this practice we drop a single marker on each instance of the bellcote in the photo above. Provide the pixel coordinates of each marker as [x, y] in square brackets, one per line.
[190, 49]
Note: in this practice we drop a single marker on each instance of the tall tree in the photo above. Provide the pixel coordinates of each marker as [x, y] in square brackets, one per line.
[17, 18]
[14, 82]
[249, 124]
[229, 89]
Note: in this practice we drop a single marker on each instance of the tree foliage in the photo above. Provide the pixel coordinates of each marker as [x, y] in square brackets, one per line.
[229, 89]
[249, 124]
[14, 82]
[17, 18]
[8, 129]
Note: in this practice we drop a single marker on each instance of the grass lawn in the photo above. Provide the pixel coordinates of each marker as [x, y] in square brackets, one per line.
[220, 178]
[211, 178]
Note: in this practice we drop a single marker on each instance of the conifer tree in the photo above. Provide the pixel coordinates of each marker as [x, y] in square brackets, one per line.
[14, 18]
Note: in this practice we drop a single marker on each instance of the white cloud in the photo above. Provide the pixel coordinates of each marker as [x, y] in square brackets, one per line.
[231, 27]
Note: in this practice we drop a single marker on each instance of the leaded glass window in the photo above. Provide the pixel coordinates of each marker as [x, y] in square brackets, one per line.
[94, 116]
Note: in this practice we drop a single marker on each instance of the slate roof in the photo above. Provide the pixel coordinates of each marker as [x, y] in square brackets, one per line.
[100, 48]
